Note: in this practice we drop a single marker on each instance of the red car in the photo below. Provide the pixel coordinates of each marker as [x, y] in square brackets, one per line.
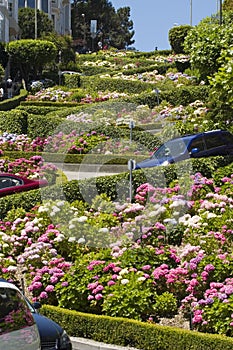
[11, 183]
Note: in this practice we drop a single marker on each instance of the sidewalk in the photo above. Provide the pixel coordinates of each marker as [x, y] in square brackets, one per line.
[88, 344]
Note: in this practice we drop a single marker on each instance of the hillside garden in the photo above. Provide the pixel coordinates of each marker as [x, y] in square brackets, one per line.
[83, 245]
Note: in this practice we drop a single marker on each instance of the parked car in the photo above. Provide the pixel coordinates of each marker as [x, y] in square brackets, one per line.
[18, 329]
[11, 183]
[52, 335]
[205, 144]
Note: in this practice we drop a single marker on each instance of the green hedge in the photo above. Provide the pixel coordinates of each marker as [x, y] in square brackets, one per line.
[14, 121]
[182, 95]
[79, 189]
[13, 102]
[39, 110]
[110, 84]
[140, 335]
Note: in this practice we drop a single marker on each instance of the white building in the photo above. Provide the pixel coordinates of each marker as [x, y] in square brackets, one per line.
[59, 11]
[8, 20]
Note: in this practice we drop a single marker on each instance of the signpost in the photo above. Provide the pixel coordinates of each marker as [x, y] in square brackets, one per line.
[93, 31]
[131, 126]
[131, 167]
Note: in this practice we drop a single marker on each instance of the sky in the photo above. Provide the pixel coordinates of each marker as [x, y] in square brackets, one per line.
[153, 19]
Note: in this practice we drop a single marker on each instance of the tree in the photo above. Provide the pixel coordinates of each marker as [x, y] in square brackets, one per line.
[205, 43]
[222, 82]
[177, 36]
[3, 55]
[64, 45]
[114, 28]
[122, 32]
[227, 5]
[31, 56]
[26, 21]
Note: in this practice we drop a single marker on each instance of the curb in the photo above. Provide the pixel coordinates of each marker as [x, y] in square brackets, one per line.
[88, 344]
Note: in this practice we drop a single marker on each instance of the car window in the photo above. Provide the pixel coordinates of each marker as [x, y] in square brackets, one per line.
[197, 143]
[9, 182]
[228, 137]
[214, 140]
[170, 148]
[14, 312]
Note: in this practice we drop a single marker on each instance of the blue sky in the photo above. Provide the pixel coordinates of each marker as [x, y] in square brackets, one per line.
[153, 19]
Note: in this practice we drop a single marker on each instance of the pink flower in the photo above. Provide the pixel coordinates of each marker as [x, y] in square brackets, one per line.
[49, 288]
[43, 295]
[98, 296]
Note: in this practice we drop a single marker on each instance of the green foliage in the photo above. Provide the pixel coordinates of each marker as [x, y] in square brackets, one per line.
[26, 23]
[165, 305]
[107, 20]
[205, 42]
[14, 121]
[227, 5]
[3, 55]
[119, 85]
[222, 82]
[31, 56]
[177, 37]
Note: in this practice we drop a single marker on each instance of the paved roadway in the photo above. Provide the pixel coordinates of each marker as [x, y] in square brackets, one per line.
[87, 344]
[84, 171]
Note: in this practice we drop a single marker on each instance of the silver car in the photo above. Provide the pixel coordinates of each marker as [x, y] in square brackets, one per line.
[18, 329]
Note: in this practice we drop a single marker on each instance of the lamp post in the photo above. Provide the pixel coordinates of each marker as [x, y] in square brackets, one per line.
[220, 12]
[84, 29]
[191, 12]
[35, 19]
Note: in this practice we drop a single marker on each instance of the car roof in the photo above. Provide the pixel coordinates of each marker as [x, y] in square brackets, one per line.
[191, 136]
[6, 284]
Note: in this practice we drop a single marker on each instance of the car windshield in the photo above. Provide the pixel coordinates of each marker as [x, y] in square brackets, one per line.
[171, 148]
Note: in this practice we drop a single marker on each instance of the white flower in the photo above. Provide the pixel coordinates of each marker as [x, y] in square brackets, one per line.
[82, 218]
[12, 268]
[124, 281]
[59, 238]
[81, 240]
[210, 215]
[103, 230]
[141, 279]
[71, 239]
[123, 271]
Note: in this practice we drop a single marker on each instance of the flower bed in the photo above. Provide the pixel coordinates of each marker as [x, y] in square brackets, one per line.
[171, 250]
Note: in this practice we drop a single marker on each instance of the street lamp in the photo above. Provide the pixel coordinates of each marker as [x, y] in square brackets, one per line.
[84, 28]
[220, 12]
[191, 12]
[35, 19]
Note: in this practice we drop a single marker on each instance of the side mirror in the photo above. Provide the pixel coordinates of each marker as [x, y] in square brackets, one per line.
[37, 305]
[194, 151]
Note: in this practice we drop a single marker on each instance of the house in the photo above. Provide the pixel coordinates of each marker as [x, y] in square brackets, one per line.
[8, 20]
[59, 11]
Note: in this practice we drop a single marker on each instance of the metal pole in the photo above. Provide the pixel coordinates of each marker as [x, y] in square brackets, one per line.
[191, 12]
[220, 12]
[35, 19]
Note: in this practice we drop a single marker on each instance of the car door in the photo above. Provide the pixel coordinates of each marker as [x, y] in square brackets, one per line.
[197, 147]
[17, 326]
[216, 145]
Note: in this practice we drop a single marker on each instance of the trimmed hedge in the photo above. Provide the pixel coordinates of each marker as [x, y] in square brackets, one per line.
[182, 95]
[13, 102]
[140, 335]
[88, 188]
[14, 121]
[94, 83]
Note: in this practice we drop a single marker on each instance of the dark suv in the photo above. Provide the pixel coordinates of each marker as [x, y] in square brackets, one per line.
[205, 144]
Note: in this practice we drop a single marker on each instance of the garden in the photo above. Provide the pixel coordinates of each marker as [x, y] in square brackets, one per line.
[166, 252]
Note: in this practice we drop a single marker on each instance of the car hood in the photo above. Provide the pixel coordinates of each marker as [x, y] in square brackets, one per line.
[48, 329]
[151, 162]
